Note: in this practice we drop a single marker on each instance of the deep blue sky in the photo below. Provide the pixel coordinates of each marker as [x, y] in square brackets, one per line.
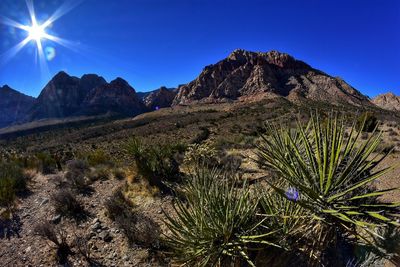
[167, 42]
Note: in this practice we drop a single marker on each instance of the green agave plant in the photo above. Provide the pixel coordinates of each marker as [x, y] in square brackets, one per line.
[330, 174]
[216, 222]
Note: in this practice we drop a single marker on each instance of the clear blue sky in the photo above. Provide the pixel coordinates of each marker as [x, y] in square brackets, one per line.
[167, 42]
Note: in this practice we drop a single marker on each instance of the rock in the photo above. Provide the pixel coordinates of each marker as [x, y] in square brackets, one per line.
[250, 74]
[160, 98]
[115, 97]
[44, 201]
[14, 106]
[387, 101]
[96, 226]
[105, 236]
[95, 220]
[56, 219]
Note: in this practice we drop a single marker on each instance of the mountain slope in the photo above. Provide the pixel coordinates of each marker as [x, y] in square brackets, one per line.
[116, 97]
[13, 105]
[245, 73]
[160, 98]
[63, 95]
[387, 101]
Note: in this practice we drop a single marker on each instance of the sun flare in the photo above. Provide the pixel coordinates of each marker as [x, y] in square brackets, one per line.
[36, 32]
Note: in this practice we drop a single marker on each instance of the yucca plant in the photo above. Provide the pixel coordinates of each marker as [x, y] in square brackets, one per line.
[215, 223]
[330, 174]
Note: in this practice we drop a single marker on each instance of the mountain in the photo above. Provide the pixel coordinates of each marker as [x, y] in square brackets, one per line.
[63, 95]
[387, 101]
[160, 98]
[114, 97]
[244, 73]
[13, 105]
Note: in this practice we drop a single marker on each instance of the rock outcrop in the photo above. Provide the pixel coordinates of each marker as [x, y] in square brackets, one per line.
[245, 73]
[13, 105]
[387, 101]
[63, 96]
[116, 97]
[160, 98]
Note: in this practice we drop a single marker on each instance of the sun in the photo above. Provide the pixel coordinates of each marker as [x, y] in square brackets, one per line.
[36, 32]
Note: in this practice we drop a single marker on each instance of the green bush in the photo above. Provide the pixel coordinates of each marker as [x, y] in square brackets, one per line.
[98, 157]
[332, 177]
[12, 182]
[157, 163]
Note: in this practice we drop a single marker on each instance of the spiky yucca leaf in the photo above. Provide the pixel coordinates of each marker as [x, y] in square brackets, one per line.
[333, 174]
[216, 223]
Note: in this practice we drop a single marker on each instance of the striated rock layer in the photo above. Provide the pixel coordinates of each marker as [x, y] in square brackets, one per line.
[245, 73]
[387, 101]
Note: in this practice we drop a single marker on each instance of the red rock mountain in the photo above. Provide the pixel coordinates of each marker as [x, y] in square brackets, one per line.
[116, 97]
[160, 98]
[13, 105]
[245, 73]
[63, 96]
[387, 101]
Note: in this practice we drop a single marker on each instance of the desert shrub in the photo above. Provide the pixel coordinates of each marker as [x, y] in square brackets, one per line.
[119, 174]
[202, 136]
[66, 204]
[12, 182]
[367, 122]
[200, 153]
[47, 164]
[101, 172]
[98, 157]
[138, 228]
[76, 175]
[215, 223]
[158, 164]
[58, 237]
[332, 178]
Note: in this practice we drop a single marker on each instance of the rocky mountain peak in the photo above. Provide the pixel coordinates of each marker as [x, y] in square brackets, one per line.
[387, 101]
[160, 98]
[245, 73]
[13, 105]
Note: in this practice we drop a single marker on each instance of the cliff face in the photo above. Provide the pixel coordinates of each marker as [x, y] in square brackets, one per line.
[160, 98]
[14, 105]
[116, 97]
[245, 73]
[63, 95]
[387, 101]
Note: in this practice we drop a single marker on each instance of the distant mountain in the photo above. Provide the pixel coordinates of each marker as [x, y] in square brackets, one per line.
[116, 97]
[13, 105]
[245, 73]
[387, 101]
[160, 98]
[63, 96]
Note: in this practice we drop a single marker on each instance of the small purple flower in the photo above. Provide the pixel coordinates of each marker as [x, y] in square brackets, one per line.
[157, 108]
[292, 194]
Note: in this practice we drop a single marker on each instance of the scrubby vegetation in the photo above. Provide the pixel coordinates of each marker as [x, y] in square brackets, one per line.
[12, 182]
[157, 164]
[324, 203]
[216, 189]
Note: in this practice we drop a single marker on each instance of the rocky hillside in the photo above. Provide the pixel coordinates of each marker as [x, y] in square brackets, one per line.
[245, 73]
[13, 105]
[63, 95]
[114, 97]
[387, 101]
[160, 98]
